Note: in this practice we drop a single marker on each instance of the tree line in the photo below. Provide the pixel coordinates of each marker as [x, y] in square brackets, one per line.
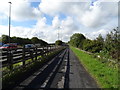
[22, 41]
[108, 46]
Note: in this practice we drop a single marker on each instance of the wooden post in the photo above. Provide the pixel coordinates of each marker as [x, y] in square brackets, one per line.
[50, 49]
[10, 59]
[23, 55]
[47, 50]
[43, 52]
[31, 54]
[55, 46]
[36, 53]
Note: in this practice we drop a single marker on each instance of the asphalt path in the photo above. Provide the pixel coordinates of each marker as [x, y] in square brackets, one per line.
[63, 71]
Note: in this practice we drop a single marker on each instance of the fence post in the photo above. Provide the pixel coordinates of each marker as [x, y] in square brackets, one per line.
[31, 54]
[55, 47]
[47, 50]
[43, 52]
[36, 53]
[23, 55]
[50, 49]
[10, 59]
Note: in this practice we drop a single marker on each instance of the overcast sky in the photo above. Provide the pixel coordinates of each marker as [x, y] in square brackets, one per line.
[44, 18]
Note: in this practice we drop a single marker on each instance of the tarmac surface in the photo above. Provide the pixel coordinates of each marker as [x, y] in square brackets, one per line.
[63, 71]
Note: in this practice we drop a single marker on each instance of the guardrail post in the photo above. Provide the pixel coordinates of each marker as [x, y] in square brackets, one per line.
[23, 56]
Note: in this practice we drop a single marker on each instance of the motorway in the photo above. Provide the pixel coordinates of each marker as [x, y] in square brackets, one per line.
[63, 71]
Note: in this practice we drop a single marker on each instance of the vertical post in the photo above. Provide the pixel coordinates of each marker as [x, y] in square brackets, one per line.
[23, 55]
[10, 60]
[9, 19]
[47, 50]
[43, 52]
[36, 53]
[9, 52]
[31, 54]
[55, 46]
[50, 48]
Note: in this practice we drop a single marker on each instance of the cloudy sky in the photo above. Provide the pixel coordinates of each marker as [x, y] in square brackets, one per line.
[45, 18]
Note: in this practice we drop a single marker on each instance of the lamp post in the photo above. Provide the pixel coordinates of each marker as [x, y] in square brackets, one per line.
[9, 18]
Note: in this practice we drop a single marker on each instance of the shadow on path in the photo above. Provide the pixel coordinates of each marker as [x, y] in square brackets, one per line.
[39, 79]
[66, 83]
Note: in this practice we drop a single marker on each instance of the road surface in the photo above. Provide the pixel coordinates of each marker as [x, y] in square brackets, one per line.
[63, 71]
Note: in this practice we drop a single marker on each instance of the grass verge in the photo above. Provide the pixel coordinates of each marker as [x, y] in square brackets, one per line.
[106, 77]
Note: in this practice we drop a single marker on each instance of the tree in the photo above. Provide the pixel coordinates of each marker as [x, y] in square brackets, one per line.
[23, 41]
[100, 39]
[87, 45]
[77, 40]
[42, 43]
[0, 39]
[35, 40]
[58, 42]
[99, 43]
[112, 43]
[97, 46]
[14, 40]
[5, 38]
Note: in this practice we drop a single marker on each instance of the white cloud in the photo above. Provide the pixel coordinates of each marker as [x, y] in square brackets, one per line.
[15, 31]
[41, 23]
[56, 22]
[55, 7]
[95, 34]
[4, 30]
[50, 8]
[91, 16]
[44, 31]
[50, 33]
[23, 11]
[79, 15]
[100, 14]
[68, 27]
[20, 10]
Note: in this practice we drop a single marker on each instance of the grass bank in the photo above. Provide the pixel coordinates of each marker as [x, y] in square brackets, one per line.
[106, 77]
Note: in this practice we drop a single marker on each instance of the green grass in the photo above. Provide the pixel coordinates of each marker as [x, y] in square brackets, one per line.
[106, 77]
